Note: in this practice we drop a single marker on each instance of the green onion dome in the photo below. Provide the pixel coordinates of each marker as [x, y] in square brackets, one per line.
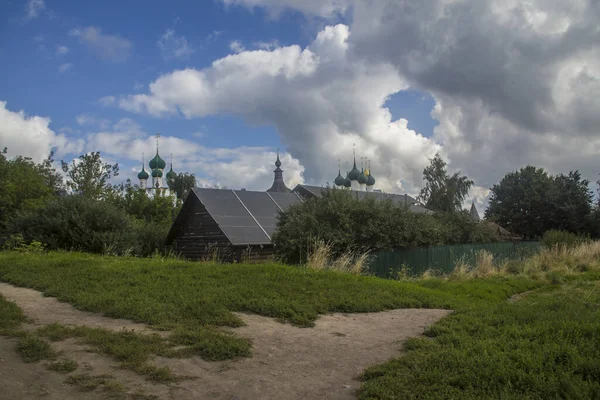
[347, 181]
[157, 162]
[143, 174]
[362, 178]
[339, 180]
[354, 173]
[156, 173]
[370, 179]
[171, 174]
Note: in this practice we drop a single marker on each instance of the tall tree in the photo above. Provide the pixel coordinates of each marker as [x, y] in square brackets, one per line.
[181, 184]
[522, 202]
[89, 176]
[443, 192]
[25, 184]
[572, 203]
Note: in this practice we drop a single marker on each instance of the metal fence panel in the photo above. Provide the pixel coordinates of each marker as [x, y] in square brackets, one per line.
[444, 258]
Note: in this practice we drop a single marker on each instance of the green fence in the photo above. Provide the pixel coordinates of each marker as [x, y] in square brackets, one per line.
[443, 258]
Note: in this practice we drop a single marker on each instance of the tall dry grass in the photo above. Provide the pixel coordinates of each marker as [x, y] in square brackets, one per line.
[560, 259]
[321, 257]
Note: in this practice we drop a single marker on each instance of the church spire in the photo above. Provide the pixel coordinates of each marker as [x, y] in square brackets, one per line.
[278, 183]
[473, 214]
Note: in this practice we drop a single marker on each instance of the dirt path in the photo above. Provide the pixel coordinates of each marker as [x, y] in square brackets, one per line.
[287, 363]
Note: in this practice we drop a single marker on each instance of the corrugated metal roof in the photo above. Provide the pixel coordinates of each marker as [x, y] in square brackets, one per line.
[245, 217]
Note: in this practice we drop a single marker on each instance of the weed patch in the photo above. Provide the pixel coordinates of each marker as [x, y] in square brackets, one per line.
[87, 382]
[11, 317]
[64, 366]
[34, 349]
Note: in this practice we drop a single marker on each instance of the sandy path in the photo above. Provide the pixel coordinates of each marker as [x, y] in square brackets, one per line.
[287, 363]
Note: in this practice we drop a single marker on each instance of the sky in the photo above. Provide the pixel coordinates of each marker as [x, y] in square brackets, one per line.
[492, 85]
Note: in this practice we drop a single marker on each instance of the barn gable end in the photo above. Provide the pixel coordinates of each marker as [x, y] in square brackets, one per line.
[231, 225]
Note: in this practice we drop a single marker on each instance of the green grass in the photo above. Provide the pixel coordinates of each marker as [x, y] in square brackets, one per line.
[132, 350]
[11, 317]
[64, 366]
[544, 346]
[174, 293]
[33, 349]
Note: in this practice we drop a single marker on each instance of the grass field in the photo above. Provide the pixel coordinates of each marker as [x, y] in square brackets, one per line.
[545, 345]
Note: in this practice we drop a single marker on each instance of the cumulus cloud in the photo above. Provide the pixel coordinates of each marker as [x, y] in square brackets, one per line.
[108, 47]
[31, 136]
[34, 8]
[515, 82]
[65, 67]
[321, 99]
[174, 47]
[248, 167]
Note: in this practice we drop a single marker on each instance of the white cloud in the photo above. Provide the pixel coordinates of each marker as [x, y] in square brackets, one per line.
[515, 82]
[107, 100]
[65, 67]
[90, 120]
[270, 45]
[236, 46]
[108, 47]
[34, 8]
[248, 167]
[31, 136]
[173, 46]
[320, 99]
[62, 50]
[317, 8]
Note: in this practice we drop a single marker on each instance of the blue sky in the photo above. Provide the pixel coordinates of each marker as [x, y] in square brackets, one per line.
[227, 82]
[54, 74]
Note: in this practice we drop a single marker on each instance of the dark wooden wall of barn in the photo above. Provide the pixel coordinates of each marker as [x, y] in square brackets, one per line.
[200, 238]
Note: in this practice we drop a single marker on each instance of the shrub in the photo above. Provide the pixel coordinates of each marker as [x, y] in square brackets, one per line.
[554, 238]
[77, 223]
[350, 225]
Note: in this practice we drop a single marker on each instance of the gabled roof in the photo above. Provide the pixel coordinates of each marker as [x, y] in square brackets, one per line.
[413, 204]
[245, 217]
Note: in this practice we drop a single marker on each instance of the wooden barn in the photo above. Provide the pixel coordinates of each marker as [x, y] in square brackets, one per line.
[229, 225]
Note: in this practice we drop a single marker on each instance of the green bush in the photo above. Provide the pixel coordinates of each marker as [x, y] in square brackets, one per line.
[347, 224]
[554, 238]
[78, 223]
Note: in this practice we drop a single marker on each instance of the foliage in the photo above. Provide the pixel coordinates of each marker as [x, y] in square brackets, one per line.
[26, 185]
[543, 346]
[572, 202]
[89, 176]
[134, 200]
[79, 223]
[553, 238]
[530, 202]
[347, 224]
[443, 192]
[181, 184]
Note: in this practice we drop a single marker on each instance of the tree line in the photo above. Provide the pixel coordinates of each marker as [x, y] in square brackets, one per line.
[82, 210]
[77, 207]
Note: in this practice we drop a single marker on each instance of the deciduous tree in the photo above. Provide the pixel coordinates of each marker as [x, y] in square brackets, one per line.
[90, 176]
[443, 192]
